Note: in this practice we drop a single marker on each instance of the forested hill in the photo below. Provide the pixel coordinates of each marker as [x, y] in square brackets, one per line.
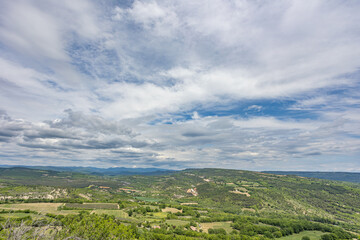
[337, 176]
[98, 171]
[222, 192]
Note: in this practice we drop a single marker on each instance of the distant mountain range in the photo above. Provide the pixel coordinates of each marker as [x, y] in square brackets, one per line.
[100, 171]
[337, 176]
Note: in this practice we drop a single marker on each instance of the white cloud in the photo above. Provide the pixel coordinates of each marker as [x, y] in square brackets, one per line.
[255, 108]
[214, 141]
[30, 30]
[146, 64]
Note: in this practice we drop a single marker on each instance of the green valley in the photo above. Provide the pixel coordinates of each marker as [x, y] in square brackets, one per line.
[188, 204]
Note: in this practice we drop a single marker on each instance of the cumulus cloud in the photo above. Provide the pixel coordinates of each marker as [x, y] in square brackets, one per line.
[162, 83]
[222, 50]
[253, 143]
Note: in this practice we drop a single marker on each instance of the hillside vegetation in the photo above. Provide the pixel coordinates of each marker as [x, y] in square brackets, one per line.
[193, 204]
[337, 176]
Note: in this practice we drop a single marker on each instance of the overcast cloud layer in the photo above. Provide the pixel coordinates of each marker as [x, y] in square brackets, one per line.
[258, 85]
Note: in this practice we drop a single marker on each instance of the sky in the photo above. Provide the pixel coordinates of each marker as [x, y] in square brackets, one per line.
[255, 85]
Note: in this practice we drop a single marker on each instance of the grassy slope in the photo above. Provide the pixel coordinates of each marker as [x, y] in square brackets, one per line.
[267, 191]
[313, 235]
[337, 176]
[269, 194]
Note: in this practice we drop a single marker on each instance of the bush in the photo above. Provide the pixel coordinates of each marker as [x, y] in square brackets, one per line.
[278, 234]
[329, 236]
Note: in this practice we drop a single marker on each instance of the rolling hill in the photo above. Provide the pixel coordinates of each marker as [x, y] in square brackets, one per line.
[222, 193]
[336, 176]
[99, 171]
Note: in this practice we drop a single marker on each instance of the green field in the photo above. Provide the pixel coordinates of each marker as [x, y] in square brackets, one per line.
[148, 199]
[116, 213]
[38, 207]
[314, 235]
[160, 214]
[216, 225]
[41, 208]
[18, 215]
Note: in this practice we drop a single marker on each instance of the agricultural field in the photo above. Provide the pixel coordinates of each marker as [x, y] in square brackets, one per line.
[313, 235]
[148, 199]
[115, 213]
[160, 214]
[176, 222]
[38, 207]
[171, 210]
[90, 206]
[216, 225]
